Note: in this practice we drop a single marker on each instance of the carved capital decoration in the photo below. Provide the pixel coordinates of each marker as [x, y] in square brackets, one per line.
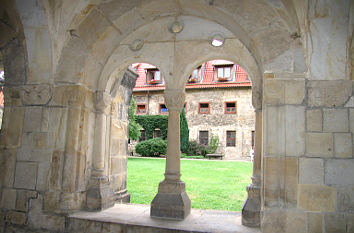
[102, 100]
[174, 99]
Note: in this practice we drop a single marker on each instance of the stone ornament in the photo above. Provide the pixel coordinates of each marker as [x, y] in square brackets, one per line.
[136, 45]
[176, 27]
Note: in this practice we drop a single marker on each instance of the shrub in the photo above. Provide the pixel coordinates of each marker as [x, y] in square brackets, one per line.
[151, 147]
[194, 148]
[184, 132]
[134, 127]
[214, 143]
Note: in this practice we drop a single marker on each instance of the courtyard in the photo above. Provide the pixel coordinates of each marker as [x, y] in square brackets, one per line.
[211, 184]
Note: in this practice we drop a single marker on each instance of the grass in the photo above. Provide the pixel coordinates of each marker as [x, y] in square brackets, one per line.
[218, 185]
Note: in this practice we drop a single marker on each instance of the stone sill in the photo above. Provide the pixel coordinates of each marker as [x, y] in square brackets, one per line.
[134, 218]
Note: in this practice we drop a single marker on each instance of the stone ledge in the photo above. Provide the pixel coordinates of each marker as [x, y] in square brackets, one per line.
[133, 217]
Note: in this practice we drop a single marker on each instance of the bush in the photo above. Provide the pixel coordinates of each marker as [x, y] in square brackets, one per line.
[151, 147]
[184, 132]
[194, 148]
[214, 143]
[134, 127]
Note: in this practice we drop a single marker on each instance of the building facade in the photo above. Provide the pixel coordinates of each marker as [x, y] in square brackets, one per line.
[218, 104]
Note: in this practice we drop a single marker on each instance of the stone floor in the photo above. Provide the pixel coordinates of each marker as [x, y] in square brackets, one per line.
[138, 216]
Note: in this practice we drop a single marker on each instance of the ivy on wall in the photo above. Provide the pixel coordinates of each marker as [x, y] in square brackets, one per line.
[151, 122]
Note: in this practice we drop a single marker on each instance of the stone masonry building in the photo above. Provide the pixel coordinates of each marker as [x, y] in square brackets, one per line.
[63, 142]
[218, 103]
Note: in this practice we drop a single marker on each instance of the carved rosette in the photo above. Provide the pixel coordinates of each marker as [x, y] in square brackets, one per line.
[174, 99]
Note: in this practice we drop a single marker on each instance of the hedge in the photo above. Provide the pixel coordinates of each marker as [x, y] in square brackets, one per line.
[151, 122]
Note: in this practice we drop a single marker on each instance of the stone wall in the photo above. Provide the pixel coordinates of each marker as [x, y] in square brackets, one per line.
[217, 122]
[308, 161]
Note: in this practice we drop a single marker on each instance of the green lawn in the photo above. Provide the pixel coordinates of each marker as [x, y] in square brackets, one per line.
[219, 185]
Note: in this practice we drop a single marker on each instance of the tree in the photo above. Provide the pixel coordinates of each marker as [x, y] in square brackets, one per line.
[134, 127]
[184, 132]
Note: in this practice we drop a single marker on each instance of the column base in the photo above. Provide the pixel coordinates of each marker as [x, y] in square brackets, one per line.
[252, 207]
[122, 196]
[99, 196]
[171, 201]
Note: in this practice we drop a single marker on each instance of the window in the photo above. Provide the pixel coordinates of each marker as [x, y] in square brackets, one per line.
[230, 108]
[157, 133]
[230, 138]
[204, 137]
[224, 73]
[252, 139]
[163, 109]
[204, 108]
[142, 136]
[195, 76]
[153, 76]
[140, 109]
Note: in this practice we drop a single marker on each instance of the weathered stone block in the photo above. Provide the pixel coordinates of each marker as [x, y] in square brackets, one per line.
[334, 223]
[15, 217]
[328, 93]
[351, 119]
[32, 121]
[314, 222]
[295, 130]
[314, 120]
[273, 221]
[350, 222]
[7, 167]
[319, 144]
[14, 131]
[36, 94]
[314, 197]
[282, 220]
[43, 176]
[311, 171]
[335, 120]
[343, 145]
[339, 171]
[38, 220]
[23, 199]
[8, 198]
[274, 134]
[284, 91]
[280, 191]
[345, 198]
[291, 181]
[25, 175]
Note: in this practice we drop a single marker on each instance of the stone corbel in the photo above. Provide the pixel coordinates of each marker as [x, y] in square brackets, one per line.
[174, 99]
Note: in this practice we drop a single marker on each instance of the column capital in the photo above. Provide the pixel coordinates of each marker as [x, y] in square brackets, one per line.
[174, 99]
[102, 101]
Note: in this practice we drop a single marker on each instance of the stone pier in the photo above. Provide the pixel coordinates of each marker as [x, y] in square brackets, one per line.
[172, 200]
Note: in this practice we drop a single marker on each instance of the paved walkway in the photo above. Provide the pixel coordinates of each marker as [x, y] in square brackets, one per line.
[197, 221]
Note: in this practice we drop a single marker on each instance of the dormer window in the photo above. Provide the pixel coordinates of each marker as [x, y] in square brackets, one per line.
[153, 76]
[195, 76]
[223, 73]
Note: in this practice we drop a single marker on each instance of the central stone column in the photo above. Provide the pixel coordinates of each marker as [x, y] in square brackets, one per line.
[99, 194]
[252, 206]
[172, 201]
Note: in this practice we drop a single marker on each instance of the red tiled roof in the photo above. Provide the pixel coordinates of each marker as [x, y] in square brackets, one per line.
[240, 80]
